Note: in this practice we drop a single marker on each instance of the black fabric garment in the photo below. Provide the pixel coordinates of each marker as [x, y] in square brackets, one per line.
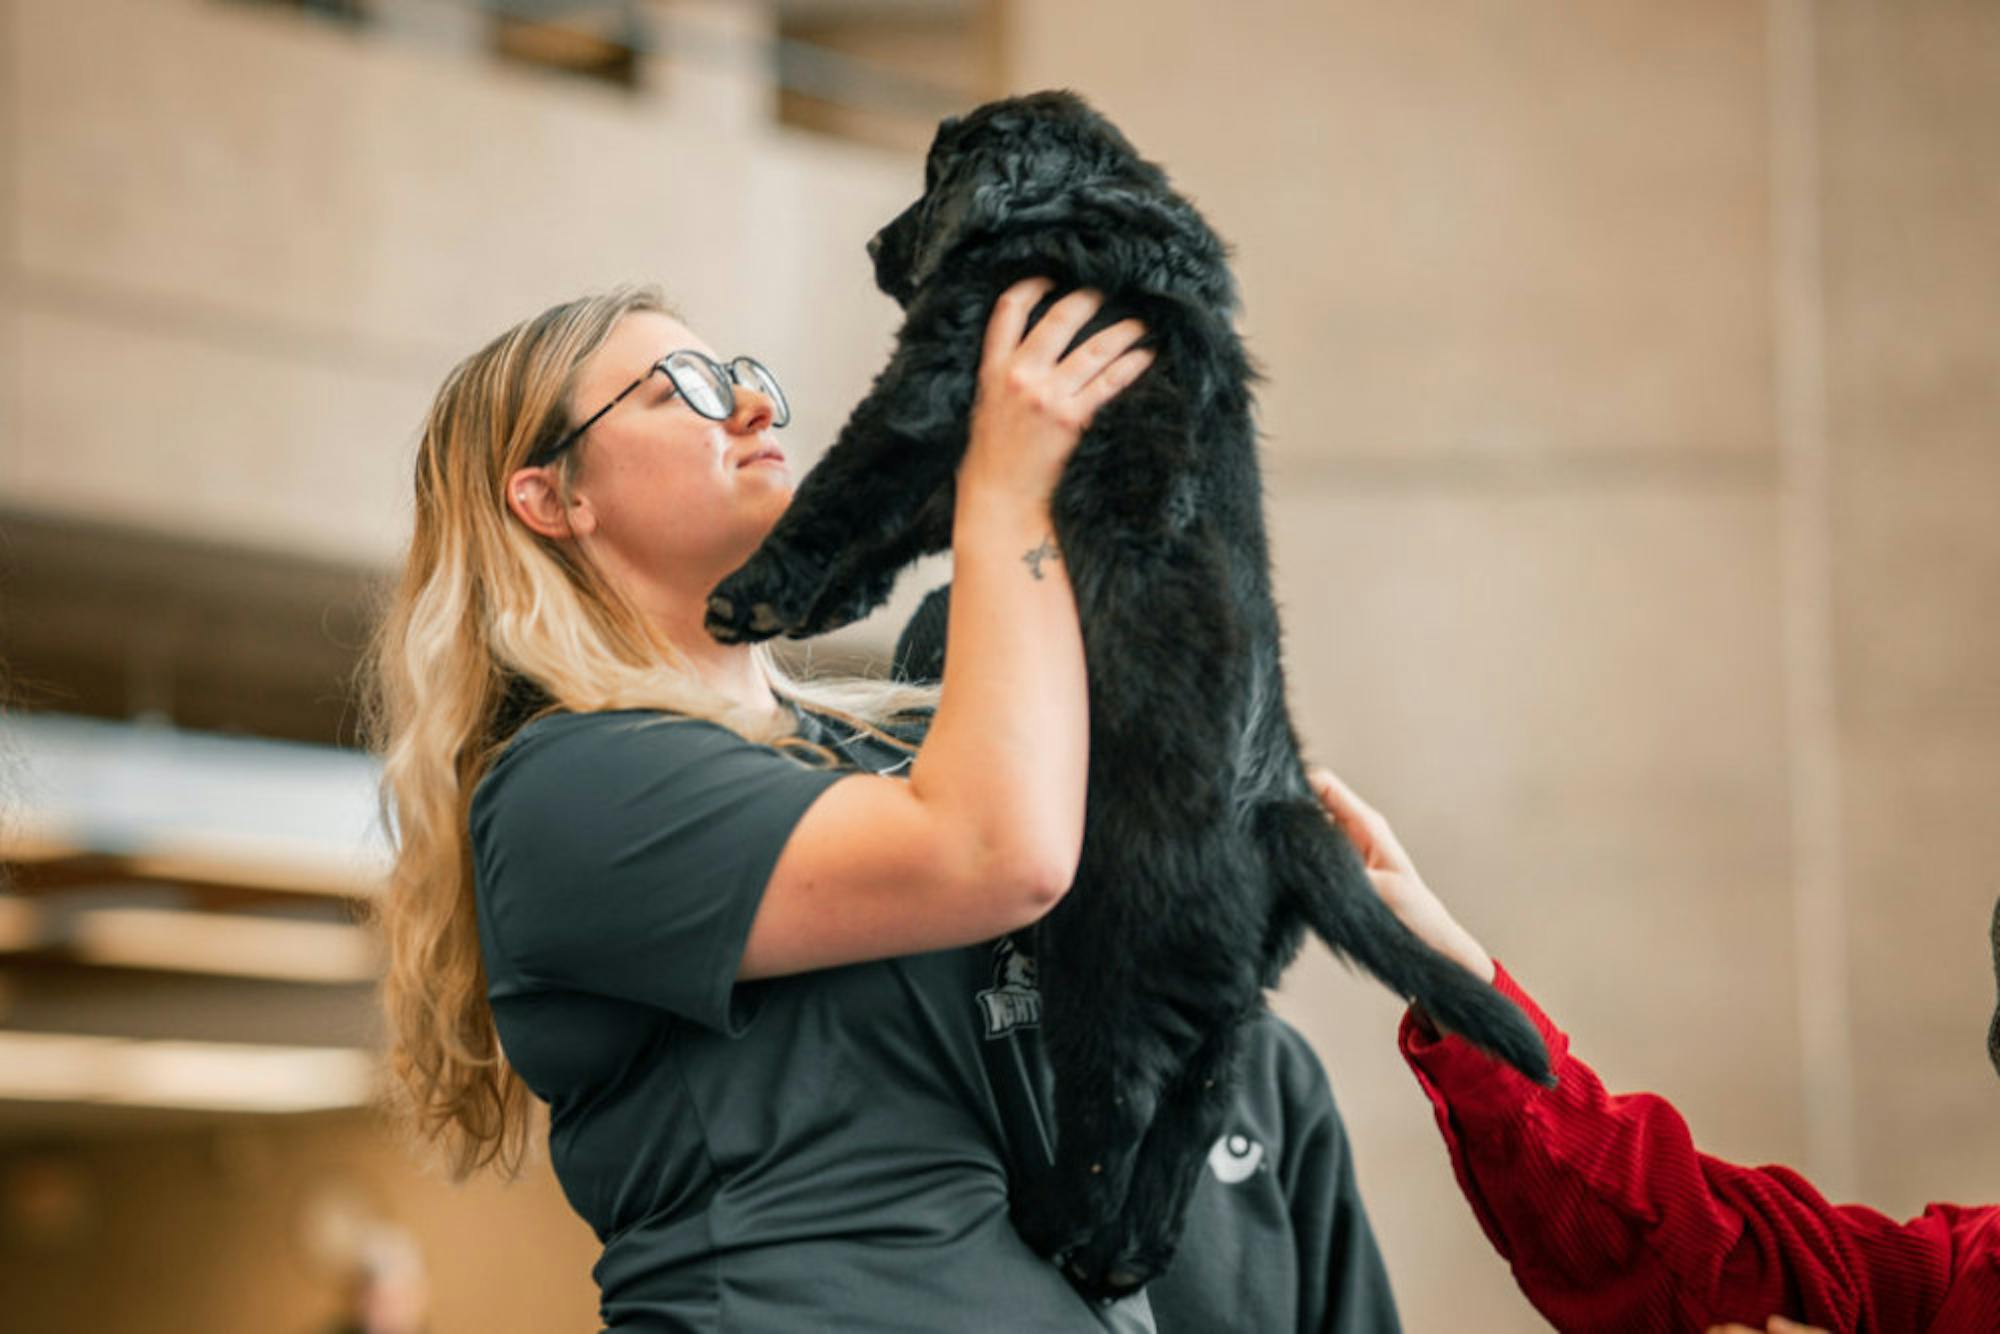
[1277, 1235]
[827, 1150]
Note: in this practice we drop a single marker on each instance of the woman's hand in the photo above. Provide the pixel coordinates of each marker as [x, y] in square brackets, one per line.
[1778, 1325]
[1394, 876]
[1033, 403]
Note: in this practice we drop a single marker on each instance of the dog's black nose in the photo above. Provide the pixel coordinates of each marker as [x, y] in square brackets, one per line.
[875, 246]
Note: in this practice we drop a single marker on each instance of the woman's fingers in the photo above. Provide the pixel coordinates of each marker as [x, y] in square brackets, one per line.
[1114, 378]
[1354, 828]
[1010, 316]
[1094, 370]
[1329, 796]
[1370, 832]
[1341, 800]
[1060, 323]
[1071, 385]
[1102, 349]
[1031, 405]
[1395, 877]
[1349, 800]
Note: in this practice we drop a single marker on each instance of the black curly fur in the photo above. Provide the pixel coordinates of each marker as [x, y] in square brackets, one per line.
[1205, 854]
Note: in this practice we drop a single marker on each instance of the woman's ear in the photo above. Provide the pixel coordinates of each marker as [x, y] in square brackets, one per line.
[535, 501]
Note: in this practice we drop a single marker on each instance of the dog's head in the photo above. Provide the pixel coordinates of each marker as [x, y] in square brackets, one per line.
[999, 163]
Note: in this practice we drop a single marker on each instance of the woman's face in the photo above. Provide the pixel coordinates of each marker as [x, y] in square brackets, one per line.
[662, 492]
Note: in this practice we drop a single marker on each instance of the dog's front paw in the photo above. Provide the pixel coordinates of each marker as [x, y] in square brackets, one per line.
[757, 601]
[731, 622]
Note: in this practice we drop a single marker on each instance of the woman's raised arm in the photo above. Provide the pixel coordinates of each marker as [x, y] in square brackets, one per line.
[984, 836]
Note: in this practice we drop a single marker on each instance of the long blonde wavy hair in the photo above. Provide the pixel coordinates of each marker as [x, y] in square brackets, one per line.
[485, 614]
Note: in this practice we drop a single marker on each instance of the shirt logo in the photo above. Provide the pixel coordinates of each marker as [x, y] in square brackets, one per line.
[1013, 1001]
[1235, 1158]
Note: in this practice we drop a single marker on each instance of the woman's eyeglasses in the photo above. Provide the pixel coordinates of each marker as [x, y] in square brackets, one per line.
[708, 386]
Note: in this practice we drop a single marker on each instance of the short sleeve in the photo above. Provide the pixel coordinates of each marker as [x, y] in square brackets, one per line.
[624, 854]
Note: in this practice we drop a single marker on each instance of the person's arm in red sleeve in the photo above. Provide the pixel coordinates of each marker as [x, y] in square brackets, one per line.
[1610, 1217]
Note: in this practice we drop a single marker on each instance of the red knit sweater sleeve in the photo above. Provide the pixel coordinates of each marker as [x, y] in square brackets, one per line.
[1612, 1220]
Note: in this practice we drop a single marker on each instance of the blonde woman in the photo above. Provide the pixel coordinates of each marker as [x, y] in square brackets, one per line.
[741, 933]
[607, 868]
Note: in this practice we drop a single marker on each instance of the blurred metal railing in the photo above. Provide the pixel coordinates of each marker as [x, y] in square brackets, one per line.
[169, 892]
[651, 28]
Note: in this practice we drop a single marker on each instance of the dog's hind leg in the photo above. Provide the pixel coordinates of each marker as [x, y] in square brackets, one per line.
[1110, 1065]
[1142, 1239]
[1319, 875]
[1143, 981]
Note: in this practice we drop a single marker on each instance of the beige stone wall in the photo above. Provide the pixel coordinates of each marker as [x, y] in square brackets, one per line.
[1909, 120]
[244, 247]
[1631, 425]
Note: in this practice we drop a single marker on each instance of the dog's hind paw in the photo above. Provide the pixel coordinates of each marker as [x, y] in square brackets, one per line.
[1102, 1277]
[1043, 1224]
[1102, 1265]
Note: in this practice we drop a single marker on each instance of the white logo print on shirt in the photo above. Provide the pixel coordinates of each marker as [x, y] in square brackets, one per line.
[1235, 1158]
[1013, 1001]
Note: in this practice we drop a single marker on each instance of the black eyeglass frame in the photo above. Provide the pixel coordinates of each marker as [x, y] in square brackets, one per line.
[729, 375]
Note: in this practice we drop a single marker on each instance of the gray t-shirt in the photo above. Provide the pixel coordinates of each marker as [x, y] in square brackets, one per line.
[826, 1150]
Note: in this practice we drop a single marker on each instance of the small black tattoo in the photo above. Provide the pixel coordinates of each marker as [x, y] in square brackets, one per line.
[1040, 553]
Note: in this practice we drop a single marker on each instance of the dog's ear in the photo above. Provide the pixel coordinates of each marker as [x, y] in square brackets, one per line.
[1153, 211]
[959, 207]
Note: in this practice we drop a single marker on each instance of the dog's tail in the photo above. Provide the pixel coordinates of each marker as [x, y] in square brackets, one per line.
[1319, 873]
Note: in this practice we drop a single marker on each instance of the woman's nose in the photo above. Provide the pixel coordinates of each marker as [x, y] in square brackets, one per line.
[754, 411]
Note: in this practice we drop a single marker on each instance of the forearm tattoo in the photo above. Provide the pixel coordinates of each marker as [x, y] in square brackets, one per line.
[1035, 558]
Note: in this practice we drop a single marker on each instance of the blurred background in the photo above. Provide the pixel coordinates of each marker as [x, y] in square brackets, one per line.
[1633, 382]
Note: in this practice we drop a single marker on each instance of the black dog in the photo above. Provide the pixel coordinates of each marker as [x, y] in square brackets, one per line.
[1205, 854]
